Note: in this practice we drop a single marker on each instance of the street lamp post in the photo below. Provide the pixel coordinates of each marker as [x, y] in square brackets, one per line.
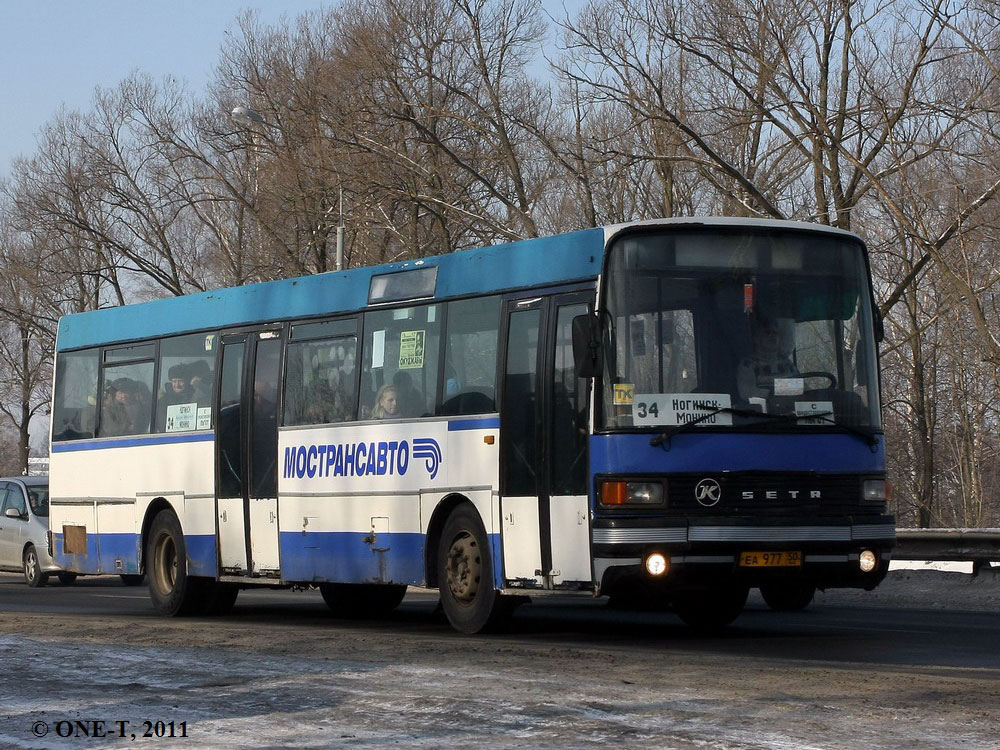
[250, 119]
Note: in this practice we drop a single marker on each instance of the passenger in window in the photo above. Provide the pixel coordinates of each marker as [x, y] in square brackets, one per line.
[325, 399]
[768, 360]
[411, 400]
[176, 390]
[200, 380]
[114, 419]
[386, 403]
[137, 400]
[452, 385]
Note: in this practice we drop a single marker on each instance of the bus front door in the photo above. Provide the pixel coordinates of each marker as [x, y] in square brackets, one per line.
[246, 454]
[544, 507]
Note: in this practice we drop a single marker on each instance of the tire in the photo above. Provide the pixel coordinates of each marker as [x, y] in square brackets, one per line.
[33, 574]
[172, 591]
[710, 609]
[361, 599]
[791, 597]
[465, 574]
[132, 579]
[67, 579]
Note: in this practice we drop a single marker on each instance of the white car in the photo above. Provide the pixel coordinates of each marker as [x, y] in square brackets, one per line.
[24, 526]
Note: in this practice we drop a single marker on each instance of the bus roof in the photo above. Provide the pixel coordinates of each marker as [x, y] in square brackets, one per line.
[547, 260]
[561, 258]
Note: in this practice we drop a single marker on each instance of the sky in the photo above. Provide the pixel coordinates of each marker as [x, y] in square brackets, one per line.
[57, 52]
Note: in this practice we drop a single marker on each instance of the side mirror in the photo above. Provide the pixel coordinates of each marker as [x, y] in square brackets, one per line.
[587, 345]
[879, 323]
[13, 513]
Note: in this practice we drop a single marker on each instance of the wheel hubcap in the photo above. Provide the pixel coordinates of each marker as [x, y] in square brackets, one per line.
[165, 567]
[464, 568]
[30, 564]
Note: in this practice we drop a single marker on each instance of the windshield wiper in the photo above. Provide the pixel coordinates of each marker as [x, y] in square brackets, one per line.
[766, 418]
[826, 416]
[664, 437]
[868, 437]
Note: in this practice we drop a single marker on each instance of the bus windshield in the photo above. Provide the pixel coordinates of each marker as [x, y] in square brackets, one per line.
[733, 328]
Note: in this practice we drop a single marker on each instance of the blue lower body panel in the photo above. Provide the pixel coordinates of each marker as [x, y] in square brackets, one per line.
[345, 557]
[106, 554]
[203, 555]
[342, 557]
[113, 554]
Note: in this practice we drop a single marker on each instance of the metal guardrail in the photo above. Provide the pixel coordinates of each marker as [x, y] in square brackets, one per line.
[978, 546]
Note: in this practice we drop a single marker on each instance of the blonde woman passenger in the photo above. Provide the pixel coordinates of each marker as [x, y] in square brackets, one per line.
[386, 403]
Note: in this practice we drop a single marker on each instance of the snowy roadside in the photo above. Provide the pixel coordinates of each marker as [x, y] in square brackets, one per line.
[948, 586]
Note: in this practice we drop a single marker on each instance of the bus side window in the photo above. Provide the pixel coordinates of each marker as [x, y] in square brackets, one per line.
[470, 360]
[126, 404]
[320, 381]
[187, 380]
[74, 412]
[401, 354]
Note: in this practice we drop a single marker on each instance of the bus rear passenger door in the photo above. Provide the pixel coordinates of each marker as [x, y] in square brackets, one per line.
[231, 510]
[246, 445]
[263, 455]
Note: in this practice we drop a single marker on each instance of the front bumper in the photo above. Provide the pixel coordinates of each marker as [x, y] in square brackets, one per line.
[706, 553]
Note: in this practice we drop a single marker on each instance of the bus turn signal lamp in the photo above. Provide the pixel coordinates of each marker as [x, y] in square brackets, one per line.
[631, 493]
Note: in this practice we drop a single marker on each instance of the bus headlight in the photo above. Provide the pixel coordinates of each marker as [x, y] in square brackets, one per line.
[868, 561]
[656, 564]
[873, 491]
[631, 493]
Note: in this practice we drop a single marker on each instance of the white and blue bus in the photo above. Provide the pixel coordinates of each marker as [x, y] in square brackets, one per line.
[669, 411]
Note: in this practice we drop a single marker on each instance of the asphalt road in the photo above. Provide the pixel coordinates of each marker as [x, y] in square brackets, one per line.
[281, 672]
[848, 633]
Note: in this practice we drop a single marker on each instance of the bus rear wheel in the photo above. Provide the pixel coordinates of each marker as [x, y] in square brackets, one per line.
[173, 592]
[791, 597]
[361, 599]
[465, 574]
[710, 609]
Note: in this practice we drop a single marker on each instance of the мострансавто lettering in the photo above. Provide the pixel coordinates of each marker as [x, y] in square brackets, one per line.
[347, 459]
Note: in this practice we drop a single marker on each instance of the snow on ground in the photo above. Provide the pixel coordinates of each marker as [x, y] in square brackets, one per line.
[927, 586]
[270, 686]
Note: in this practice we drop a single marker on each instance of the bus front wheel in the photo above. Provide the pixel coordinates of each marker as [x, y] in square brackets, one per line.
[172, 591]
[465, 574]
[710, 609]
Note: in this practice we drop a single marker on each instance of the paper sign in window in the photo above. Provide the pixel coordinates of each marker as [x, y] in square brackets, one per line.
[182, 417]
[411, 350]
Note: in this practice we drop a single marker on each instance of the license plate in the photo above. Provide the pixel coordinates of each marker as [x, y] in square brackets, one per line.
[770, 559]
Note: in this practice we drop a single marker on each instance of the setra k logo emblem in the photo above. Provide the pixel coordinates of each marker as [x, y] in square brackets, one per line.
[708, 492]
